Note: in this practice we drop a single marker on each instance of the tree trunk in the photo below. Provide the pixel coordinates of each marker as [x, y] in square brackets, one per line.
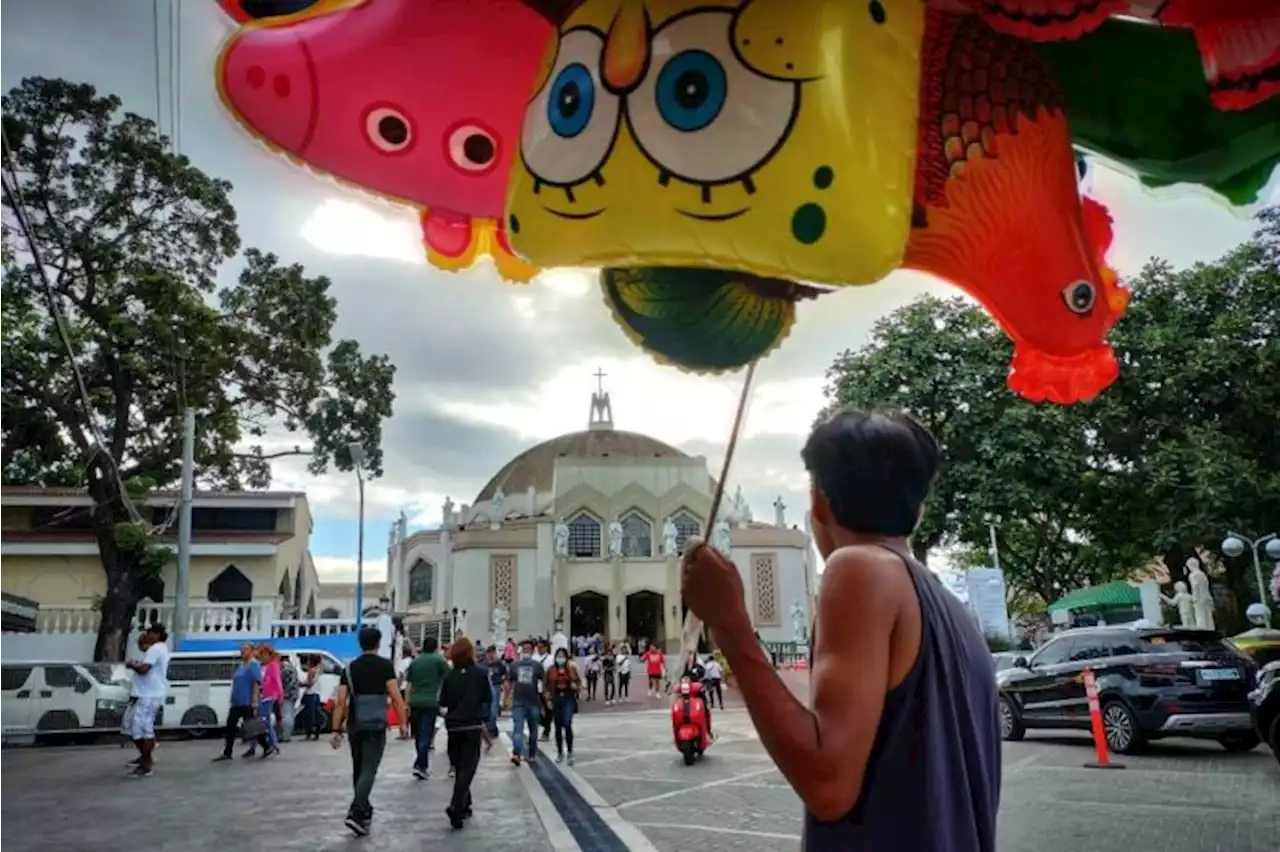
[120, 598]
[1175, 562]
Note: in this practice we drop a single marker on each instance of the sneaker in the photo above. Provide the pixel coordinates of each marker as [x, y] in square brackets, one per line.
[139, 772]
[250, 753]
[455, 819]
[222, 758]
[515, 760]
[452, 772]
[571, 760]
[358, 827]
[559, 759]
[269, 752]
[420, 774]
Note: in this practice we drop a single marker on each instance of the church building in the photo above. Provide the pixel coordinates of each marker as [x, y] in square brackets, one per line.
[584, 533]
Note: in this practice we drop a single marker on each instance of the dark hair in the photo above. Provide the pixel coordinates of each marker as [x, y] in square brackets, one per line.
[370, 638]
[158, 630]
[874, 469]
[462, 652]
[429, 645]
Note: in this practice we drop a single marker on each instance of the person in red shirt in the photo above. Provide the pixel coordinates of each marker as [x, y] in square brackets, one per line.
[654, 662]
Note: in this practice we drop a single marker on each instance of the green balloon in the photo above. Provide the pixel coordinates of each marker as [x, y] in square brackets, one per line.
[1136, 95]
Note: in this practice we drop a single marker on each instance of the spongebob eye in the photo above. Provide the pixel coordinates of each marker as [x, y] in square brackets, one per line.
[571, 122]
[1079, 296]
[702, 116]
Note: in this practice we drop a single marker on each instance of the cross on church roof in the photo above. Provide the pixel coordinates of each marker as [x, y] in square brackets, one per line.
[600, 374]
[601, 408]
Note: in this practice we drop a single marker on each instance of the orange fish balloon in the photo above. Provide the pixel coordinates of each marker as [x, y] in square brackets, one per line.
[997, 211]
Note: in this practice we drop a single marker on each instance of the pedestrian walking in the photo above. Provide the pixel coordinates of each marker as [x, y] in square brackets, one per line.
[654, 663]
[715, 677]
[544, 658]
[608, 671]
[465, 697]
[624, 673]
[902, 749]
[593, 675]
[497, 672]
[368, 682]
[310, 708]
[270, 694]
[525, 682]
[288, 706]
[564, 684]
[423, 680]
[246, 686]
[151, 685]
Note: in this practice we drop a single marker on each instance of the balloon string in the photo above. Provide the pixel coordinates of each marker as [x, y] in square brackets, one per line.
[693, 624]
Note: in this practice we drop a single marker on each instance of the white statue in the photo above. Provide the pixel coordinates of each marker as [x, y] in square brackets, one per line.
[1182, 600]
[779, 512]
[532, 495]
[496, 503]
[562, 539]
[669, 536]
[615, 539]
[461, 624]
[1201, 597]
[402, 526]
[446, 513]
[799, 624]
[391, 537]
[721, 539]
[741, 514]
[500, 620]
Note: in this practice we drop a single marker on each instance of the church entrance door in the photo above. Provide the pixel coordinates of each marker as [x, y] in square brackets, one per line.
[588, 614]
[645, 618]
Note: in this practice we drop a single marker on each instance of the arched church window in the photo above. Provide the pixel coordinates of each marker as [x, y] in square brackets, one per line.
[637, 536]
[584, 537]
[422, 582]
[687, 527]
[230, 586]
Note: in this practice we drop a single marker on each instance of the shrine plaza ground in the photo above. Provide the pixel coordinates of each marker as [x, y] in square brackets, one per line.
[628, 791]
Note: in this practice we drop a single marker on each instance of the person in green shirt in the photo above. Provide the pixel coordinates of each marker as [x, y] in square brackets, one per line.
[425, 676]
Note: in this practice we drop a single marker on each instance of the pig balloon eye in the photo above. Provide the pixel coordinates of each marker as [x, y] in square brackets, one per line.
[472, 148]
[1079, 296]
[388, 129]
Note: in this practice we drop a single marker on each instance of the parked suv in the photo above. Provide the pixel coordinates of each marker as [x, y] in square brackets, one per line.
[1152, 683]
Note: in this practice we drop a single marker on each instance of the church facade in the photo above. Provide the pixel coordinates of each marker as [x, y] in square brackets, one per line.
[584, 533]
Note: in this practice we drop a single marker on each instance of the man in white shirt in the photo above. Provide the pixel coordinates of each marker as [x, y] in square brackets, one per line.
[150, 685]
[544, 657]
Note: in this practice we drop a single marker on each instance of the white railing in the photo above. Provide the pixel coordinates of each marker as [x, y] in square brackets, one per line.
[287, 628]
[222, 619]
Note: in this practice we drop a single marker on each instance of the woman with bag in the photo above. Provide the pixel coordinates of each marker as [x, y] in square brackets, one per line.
[564, 683]
[271, 697]
[465, 697]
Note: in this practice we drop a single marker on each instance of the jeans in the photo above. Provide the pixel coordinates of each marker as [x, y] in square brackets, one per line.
[610, 686]
[562, 710]
[287, 710]
[366, 755]
[311, 714]
[714, 691]
[235, 716]
[521, 716]
[464, 755]
[266, 712]
[624, 685]
[495, 710]
[424, 728]
[592, 680]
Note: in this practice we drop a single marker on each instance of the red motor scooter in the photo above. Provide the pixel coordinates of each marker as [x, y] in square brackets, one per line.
[689, 721]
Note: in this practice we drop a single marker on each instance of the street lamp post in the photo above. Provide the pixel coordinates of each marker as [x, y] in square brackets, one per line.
[1235, 545]
[357, 460]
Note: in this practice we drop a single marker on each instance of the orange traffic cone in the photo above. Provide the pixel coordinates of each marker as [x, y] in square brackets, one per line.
[1095, 719]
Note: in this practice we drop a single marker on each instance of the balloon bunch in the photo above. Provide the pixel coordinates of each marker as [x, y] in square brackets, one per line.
[722, 160]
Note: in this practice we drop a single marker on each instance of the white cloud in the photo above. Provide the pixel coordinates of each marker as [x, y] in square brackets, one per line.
[346, 227]
[342, 569]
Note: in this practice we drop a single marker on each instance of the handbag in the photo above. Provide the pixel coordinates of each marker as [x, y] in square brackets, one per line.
[369, 709]
[252, 728]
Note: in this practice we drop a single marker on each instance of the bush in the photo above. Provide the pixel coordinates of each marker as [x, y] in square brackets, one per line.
[999, 643]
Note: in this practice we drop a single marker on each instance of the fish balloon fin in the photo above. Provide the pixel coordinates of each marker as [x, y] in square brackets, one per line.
[702, 320]
[451, 239]
[513, 268]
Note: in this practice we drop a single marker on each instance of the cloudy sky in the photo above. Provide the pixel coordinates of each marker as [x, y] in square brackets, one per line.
[486, 369]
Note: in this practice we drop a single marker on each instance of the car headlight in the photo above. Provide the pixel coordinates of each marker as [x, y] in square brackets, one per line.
[111, 704]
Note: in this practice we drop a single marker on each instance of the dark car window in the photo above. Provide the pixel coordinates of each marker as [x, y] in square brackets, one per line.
[1183, 643]
[60, 676]
[1089, 648]
[1124, 646]
[1055, 652]
[14, 677]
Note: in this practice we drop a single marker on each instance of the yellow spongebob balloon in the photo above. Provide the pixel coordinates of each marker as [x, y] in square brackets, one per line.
[774, 138]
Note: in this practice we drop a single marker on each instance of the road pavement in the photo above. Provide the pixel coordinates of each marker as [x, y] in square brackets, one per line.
[628, 791]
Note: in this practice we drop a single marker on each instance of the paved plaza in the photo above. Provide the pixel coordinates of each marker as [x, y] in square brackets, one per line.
[628, 791]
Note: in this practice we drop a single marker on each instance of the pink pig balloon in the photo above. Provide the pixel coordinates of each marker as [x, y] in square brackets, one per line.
[419, 101]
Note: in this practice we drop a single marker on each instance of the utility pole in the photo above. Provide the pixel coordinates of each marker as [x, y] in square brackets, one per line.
[995, 548]
[180, 600]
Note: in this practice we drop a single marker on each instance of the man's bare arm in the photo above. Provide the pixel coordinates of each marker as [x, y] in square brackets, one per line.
[823, 752]
[339, 708]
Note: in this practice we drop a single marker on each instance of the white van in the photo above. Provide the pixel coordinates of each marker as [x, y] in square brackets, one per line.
[200, 687]
[60, 698]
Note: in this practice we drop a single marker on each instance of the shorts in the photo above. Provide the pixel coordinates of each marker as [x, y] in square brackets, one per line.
[143, 724]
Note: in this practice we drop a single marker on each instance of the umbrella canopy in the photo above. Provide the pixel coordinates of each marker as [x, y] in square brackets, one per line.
[1106, 596]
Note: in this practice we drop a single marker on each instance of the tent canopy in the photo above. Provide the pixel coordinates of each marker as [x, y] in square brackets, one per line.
[1107, 596]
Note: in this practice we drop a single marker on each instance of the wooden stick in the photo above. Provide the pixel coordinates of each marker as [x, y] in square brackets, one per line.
[693, 624]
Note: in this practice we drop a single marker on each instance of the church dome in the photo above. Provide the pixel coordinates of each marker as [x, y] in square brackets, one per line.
[536, 466]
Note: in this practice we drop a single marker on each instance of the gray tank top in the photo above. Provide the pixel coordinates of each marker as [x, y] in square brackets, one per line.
[933, 778]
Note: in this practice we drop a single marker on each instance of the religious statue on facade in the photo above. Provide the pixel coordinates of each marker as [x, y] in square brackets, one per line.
[741, 513]
[615, 539]
[496, 503]
[779, 512]
[799, 622]
[391, 537]
[532, 496]
[446, 513]
[1182, 600]
[562, 538]
[1201, 596]
[501, 618]
[721, 538]
[669, 536]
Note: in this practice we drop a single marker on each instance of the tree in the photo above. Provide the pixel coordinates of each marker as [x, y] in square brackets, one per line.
[113, 323]
[1030, 470]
